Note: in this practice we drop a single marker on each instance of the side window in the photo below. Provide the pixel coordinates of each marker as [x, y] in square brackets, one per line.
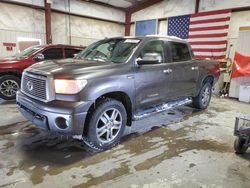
[69, 53]
[180, 52]
[153, 47]
[53, 53]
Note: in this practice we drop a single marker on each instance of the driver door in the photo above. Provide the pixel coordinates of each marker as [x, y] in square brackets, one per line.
[150, 78]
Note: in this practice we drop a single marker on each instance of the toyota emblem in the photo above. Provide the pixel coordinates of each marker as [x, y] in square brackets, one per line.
[29, 85]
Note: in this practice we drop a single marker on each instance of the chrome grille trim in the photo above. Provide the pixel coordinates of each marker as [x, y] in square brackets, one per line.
[42, 86]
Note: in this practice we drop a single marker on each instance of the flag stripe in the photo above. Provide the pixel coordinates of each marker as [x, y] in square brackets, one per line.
[208, 35]
[209, 57]
[209, 50]
[209, 24]
[207, 39]
[211, 53]
[208, 42]
[210, 13]
[211, 46]
[210, 21]
[209, 28]
[208, 32]
[227, 15]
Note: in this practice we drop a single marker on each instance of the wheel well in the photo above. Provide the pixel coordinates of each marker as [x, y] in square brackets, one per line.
[208, 79]
[11, 73]
[120, 96]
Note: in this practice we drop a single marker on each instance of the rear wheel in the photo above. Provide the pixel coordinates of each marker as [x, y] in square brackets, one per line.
[106, 125]
[239, 145]
[202, 100]
[9, 85]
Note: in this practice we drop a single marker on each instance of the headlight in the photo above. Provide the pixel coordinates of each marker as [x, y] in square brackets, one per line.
[69, 86]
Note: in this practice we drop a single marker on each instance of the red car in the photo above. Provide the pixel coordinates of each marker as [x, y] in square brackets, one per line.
[11, 68]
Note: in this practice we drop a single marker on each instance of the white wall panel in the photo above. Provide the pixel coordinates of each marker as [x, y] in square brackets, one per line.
[89, 9]
[17, 21]
[11, 37]
[163, 27]
[60, 28]
[208, 5]
[90, 30]
[238, 19]
[166, 8]
[14, 17]
[32, 2]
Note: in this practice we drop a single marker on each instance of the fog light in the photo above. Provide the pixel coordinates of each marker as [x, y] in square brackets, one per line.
[61, 123]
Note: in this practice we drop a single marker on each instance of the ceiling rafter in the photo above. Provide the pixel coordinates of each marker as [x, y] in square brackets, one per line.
[134, 8]
[142, 5]
[104, 4]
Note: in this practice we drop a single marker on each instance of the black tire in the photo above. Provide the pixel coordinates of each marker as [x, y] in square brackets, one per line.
[9, 85]
[202, 100]
[239, 145]
[98, 120]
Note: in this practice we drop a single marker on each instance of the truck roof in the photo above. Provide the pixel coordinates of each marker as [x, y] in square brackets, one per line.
[150, 37]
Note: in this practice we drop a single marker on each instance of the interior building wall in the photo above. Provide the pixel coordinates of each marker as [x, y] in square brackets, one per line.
[170, 8]
[19, 21]
[238, 19]
[26, 23]
[208, 5]
[166, 8]
[82, 31]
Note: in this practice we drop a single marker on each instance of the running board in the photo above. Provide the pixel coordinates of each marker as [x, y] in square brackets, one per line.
[161, 108]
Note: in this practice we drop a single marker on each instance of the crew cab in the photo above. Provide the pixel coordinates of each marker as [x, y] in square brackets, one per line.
[112, 83]
[11, 68]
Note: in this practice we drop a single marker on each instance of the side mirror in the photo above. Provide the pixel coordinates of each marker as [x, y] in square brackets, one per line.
[39, 57]
[150, 58]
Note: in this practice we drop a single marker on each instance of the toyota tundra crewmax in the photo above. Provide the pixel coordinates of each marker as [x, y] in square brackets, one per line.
[112, 83]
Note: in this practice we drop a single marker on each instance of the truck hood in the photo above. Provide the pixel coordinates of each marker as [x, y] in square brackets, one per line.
[73, 68]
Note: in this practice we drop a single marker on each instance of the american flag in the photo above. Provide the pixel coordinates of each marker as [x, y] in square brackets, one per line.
[206, 32]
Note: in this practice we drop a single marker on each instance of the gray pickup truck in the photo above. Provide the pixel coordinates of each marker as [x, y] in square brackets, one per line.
[112, 83]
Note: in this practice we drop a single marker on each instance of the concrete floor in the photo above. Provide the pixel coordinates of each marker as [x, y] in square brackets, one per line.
[178, 148]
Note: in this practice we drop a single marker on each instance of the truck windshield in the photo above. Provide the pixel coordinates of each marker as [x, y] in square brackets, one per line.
[109, 50]
[28, 51]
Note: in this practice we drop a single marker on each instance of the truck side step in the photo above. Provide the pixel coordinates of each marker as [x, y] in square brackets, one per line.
[161, 108]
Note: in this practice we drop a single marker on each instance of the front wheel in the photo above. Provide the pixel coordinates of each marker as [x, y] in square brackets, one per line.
[9, 85]
[202, 100]
[106, 125]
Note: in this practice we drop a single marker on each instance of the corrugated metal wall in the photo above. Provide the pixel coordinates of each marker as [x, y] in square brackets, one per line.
[8, 36]
[19, 21]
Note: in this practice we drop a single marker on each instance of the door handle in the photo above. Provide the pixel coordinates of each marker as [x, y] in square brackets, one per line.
[194, 68]
[167, 71]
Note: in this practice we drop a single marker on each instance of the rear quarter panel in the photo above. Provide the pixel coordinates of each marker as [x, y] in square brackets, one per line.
[207, 68]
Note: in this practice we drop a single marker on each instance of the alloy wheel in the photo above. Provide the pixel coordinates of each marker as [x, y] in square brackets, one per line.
[108, 125]
[9, 88]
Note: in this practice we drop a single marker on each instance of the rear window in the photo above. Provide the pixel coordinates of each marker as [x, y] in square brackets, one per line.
[69, 52]
[53, 53]
[180, 52]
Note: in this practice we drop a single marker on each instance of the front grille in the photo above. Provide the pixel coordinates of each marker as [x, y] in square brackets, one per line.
[34, 86]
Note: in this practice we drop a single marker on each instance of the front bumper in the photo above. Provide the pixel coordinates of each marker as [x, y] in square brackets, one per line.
[63, 117]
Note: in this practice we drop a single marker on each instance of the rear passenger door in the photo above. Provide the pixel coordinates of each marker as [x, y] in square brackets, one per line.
[184, 71]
